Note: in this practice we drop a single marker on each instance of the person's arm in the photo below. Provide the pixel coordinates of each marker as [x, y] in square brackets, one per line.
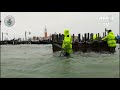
[105, 38]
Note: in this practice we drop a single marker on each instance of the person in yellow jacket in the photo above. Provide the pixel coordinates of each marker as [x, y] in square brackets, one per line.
[67, 43]
[94, 37]
[111, 40]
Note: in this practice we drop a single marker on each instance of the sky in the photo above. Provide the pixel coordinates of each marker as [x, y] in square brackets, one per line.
[76, 22]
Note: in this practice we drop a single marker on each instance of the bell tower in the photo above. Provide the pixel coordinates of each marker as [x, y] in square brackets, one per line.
[45, 32]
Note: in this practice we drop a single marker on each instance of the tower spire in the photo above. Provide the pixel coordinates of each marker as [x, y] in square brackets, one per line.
[45, 32]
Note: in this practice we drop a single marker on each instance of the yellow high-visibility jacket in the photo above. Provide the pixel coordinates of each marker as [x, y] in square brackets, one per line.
[67, 42]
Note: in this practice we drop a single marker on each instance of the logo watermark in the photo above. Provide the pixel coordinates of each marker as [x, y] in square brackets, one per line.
[9, 21]
[106, 20]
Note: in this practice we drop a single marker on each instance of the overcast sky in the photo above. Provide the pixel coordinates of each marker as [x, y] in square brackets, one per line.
[76, 22]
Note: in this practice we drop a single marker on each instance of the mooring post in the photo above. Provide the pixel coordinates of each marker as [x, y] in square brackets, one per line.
[98, 35]
[52, 37]
[62, 36]
[79, 37]
[82, 38]
[85, 36]
[105, 31]
[73, 37]
[88, 37]
[103, 34]
[91, 37]
[57, 38]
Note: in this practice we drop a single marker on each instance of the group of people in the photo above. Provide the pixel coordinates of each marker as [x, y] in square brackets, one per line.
[67, 42]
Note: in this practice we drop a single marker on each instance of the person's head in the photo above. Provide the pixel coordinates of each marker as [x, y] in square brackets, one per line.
[109, 31]
[66, 32]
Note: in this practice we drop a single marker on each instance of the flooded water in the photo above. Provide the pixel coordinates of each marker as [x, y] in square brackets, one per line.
[38, 61]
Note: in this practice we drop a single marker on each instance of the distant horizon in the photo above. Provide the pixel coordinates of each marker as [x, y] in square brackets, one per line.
[76, 22]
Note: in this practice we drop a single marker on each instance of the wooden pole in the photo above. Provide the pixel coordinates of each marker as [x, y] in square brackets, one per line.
[91, 36]
[98, 35]
[79, 37]
[2, 36]
[57, 38]
[105, 31]
[82, 38]
[73, 37]
[85, 36]
[88, 37]
[52, 37]
[62, 36]
[103, 34]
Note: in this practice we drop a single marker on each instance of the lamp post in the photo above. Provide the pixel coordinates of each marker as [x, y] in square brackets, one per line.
[26, 35]
[2, 35]
[0, 26]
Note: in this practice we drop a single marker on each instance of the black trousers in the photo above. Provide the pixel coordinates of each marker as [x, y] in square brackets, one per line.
[112, 49]
[66, 54]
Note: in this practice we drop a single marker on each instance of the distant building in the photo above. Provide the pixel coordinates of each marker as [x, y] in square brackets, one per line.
[45, 32]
